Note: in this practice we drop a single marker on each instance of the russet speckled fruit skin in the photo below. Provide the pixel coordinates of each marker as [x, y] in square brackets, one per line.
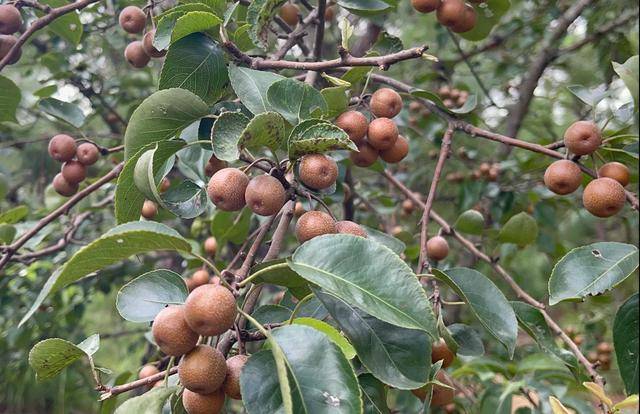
[441, 352]
[366, 155]
[349, 227]
[314, 223]
[582, 138]
[210, 310]
[10, 19]
[200, 277]
[425, 6]
[441, 395]
[396, 153]
[136, 56]
[202, 370]
[231, 384]
[62, 147]
[437, 248]
[385, 103]
[616, 171]
[355, 124]
[226, 189]
[87, 153]
[289, 13]
[603, 197]
[265, 195]
[171, 331]
[6, 44]
[149, 209]
[450, 12]
[132, 19]
[467, 22]
[147, 44]
[563, 177]
[74, 171]
[382, 133]
[317, 171]
[203, 404]
[63, 187]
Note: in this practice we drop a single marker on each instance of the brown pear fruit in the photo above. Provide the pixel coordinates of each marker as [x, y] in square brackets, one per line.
[149, 48]
[441, 396]
[382, 133]
[604, 348]
[385, 103]
[299, 210]
[147, 371]
[441, 352]
[74, 172]
[231, 384]
[289, 13]
[314, 223]
[437, 248]
[451, 12]
[6, 44]
[149, 209]
[318, 171]
[563, 177]
[202, 370]
[200, 277]
[407, 206]
[195, 403]
[171, 332]
[62, 148]
[136, 56]
[355, 124]
[396, 153]
[132, 19]
[87, 153]
[425, 6]
[467, 23]
[603, 197]
[349, 227]
[210, 310]
[329, 13]
[582, 138]
[63, 187]
[226, 189]
[164, 184]
[211, 246]
[616, 171]
[265, 195]
[366, 155]
[10, 19]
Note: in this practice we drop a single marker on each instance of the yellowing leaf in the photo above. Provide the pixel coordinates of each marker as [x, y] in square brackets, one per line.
[557, 407]
[597, 390]
[629, 402]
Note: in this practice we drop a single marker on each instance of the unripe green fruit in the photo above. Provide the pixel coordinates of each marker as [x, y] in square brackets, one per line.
[203, 404]
[63, 187]
[74, 172]
[385, 103]
[616, 171]
[382, 133]
[355, 124]
[437, 248]
[135, 55]
[441, 352]
[289, 13]
[210, 310]
[582, 138]
[425, 6]
[563, 177]
[450, 12]
[87, 153]
[318, 171]
[397, 152]
[349, 227]
[603, 197]
[132, 19]
[10, 19]
[202, 370]
[226, 189]
[149, 48]
[314, 223]
[171, 332]
[231, 384]
[62, 148]
[149, 209]
[365, 157]
[6, 44]
[265, 195]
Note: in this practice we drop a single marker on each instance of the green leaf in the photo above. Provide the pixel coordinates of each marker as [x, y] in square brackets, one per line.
[430, 96]
[337, 100]
[368, 275]
[488, 15]
[10, 97]
[521, 229]
[317, 136]
[259, 15]
[7, 233]
[193, 22]
[185, 200]
[67, 26]
[295, 100]
[46, 91]
[626, 341]
[195, 63]
[278, 272]
[264, 130]
[251, 86]
[231, 226]
[469, 105]
[64, 111]
[266, 314]
[117, 244]
[374, 395]
[396, 356]
[591, 270]
[162, 116]
[141, 299]
[486, 301]
[226, 133]
[384, 239]
[331, 332]
[14, 215]
[628, 72]
[470, 222]
[590, 96]
[364, 7]
[304, 350]
[90, 345]
[49, 357]
[468, 340]
[151, 402]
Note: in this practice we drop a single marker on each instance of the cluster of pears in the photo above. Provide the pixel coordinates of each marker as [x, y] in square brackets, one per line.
[75, 159]
[10, 23]
[441, 396]
[601, 356]
[150, 208]
[604, 196]
[210, 310]
[457, 15]
[453, 97]
[290, 13]
[487, 172]
[133, 20]
[380, 137]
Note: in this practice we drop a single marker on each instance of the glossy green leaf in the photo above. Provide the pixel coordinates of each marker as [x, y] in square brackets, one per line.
[251, 87]
[186, 199]
[259, 15]
[468, 340]
[226, 134]
[231, 226]
[267, 314]
[67, 26]
[295, 100]
[521, 229]
[64, 111]
[590, 96]
[151, 402]
[591, 270]
[278, 272]
[430, 96]
[468, 106]
[264, 130]
[396, 356]
[331, 332]
[7, 233]
[389, 241]
[488, 14]
[364, 7]
[49, 357]
[305, 350]
[486, 302]
[628, 72]
[162, 116]
[195, 63]
[10, 97]
[337, 100]
[317, 136]
[626, 341]
[194, 22]
[470, 222]
[141, 299]
[367, 275]
[14, 215]
[374, 395]
[117, 244]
